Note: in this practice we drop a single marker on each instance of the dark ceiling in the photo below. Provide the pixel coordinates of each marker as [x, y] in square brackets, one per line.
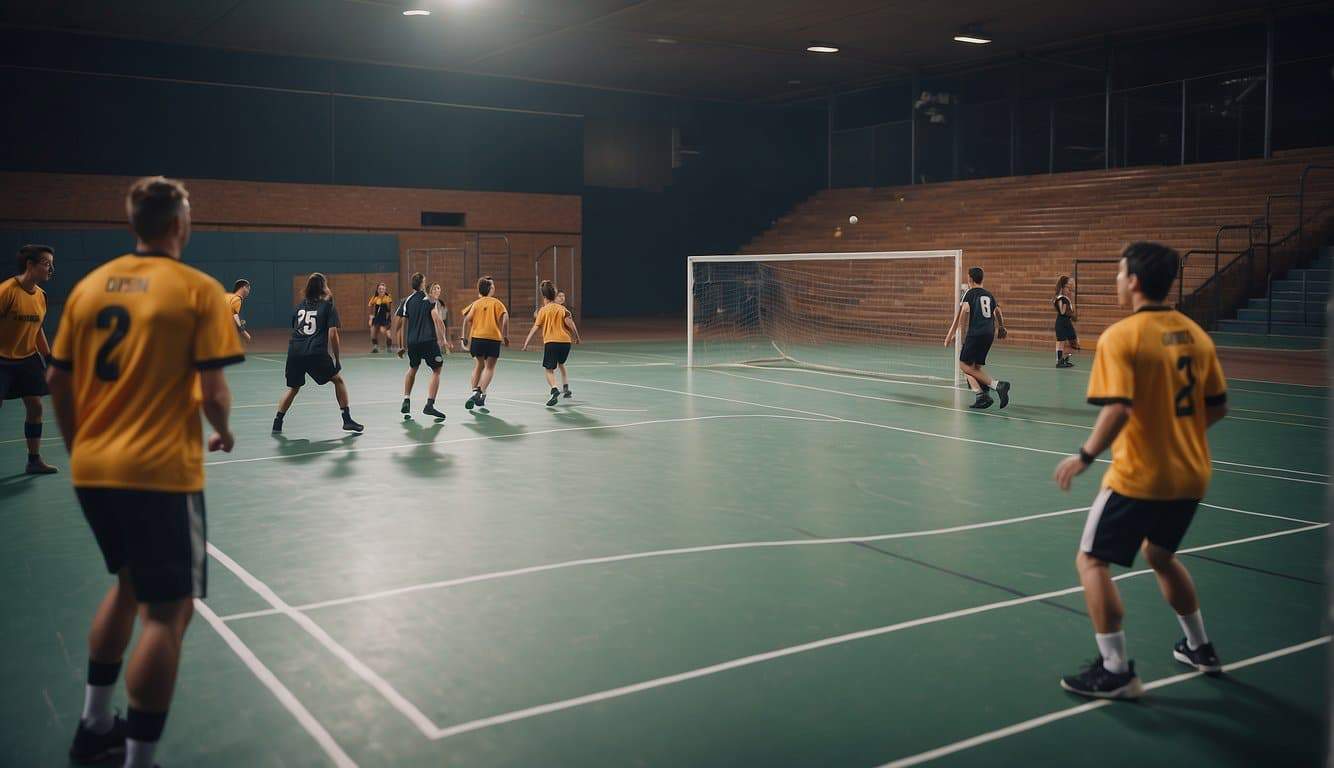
[737, 50]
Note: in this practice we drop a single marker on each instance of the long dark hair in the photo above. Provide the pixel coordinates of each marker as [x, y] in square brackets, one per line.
[316, 287]
[1061, 283]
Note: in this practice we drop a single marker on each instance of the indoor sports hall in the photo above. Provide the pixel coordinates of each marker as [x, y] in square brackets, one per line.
[767, 523]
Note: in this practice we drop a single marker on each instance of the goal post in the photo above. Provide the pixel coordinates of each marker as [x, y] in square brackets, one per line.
[879, 314]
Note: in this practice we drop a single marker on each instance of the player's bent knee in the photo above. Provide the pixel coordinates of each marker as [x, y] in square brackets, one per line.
[1084, 561]
[1158, 557]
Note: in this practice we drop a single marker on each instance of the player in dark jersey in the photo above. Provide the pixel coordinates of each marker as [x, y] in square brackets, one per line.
[314, 351]
[422, 337]
[1067, 341]
[980, 315]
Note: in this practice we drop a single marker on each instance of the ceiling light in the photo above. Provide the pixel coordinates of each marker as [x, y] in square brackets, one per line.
[794, 82]
[822, 48]
[417, 13]
[663, 40]
[971, 39]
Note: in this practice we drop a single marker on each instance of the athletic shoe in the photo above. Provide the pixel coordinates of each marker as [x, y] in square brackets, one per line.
[1060, 364]
[1097, 683]
[431, 411]
[568, 394]
[555, 397]
[39, 467]
[481, 399]
[89, 747]
[406, 410]
[375, 350]
[474, 400]
[351, 426]
[277, 426]
[1003, 389]
[1203, 658]
[982, 401]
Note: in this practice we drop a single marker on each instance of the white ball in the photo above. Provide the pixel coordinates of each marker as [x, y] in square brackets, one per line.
[853, 219]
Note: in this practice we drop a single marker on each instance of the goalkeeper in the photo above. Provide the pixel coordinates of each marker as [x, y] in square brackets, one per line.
[981, 316]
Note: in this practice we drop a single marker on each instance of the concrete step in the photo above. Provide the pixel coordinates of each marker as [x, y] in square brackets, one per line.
[1280, 329]
[1258, 316]
[1287, 305]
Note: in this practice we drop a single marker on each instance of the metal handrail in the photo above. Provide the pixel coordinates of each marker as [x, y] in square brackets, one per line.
[1301, 194]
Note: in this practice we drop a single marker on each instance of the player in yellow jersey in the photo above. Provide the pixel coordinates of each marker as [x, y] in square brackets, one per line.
[23, 346]
[240, 291]
[142, 339]
[381, 307]
[486, 325]
[1157, 377]
[556, 325]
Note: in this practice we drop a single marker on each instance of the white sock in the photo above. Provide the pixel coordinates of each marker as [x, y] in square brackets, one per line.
[1112, 646]
[97, 715]
[1193, 626]
[139, 754]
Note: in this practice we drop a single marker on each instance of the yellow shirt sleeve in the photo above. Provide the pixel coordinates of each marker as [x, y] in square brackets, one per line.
[216, 342]
[1113, 377]
[62, 349]
[1215, 384]
[234, 302]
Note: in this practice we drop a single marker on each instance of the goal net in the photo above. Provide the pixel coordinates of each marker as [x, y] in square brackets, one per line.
[870, 314]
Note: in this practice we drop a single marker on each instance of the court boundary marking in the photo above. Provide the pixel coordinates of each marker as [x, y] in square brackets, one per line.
[657, 553]
[435, 732]
[280, 692]
[1062, 714]
[923, 433]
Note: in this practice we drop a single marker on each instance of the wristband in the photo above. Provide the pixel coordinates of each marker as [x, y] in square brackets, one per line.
[1085, 456]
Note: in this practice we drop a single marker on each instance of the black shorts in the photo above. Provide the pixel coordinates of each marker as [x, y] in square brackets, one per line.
[1065, 329]
[484, 348]
[159, 537]
[428, 351]
[320, 368]
[555, 353]
[22, 378]
[975, 349]
[1117, 525]
[380, 322]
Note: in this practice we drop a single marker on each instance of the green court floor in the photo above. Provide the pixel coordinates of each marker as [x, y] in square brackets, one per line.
[743, 566]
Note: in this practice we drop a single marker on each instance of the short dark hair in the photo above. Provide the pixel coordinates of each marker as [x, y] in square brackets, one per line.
[548, 290]
[417, 279]
[316, 286]
[1155, 265]
[239, 284]
[485, 285]
[153, 203]
[975, 274]
[31, 254]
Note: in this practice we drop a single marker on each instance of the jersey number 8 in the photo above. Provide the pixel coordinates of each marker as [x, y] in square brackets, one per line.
[985, 302]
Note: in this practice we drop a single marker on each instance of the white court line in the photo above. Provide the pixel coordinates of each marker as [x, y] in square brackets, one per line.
[1286, 383]
[649, 554]
[367, 674]
[1037, 722]
[745, 661]
[1260, 514]
[268, 359]
[1283, 423]
[954, 437]
[568, 405]
[275, 686]
[477, 438]
[876, 379]
[1294, 414]
[970, 411]
[1278, 394]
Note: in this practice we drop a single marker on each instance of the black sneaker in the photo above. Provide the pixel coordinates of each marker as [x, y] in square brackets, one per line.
[555, 397]
[1203, 658]
[351, 426]
[432, 412]
[375, 350]
[89, 747]
[1003, 389]
[481, 399]
[277, 426]
[1097, 683]
[406, 410]
[982, 401]
[568, 394]
[474, 400]
[39, 467]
